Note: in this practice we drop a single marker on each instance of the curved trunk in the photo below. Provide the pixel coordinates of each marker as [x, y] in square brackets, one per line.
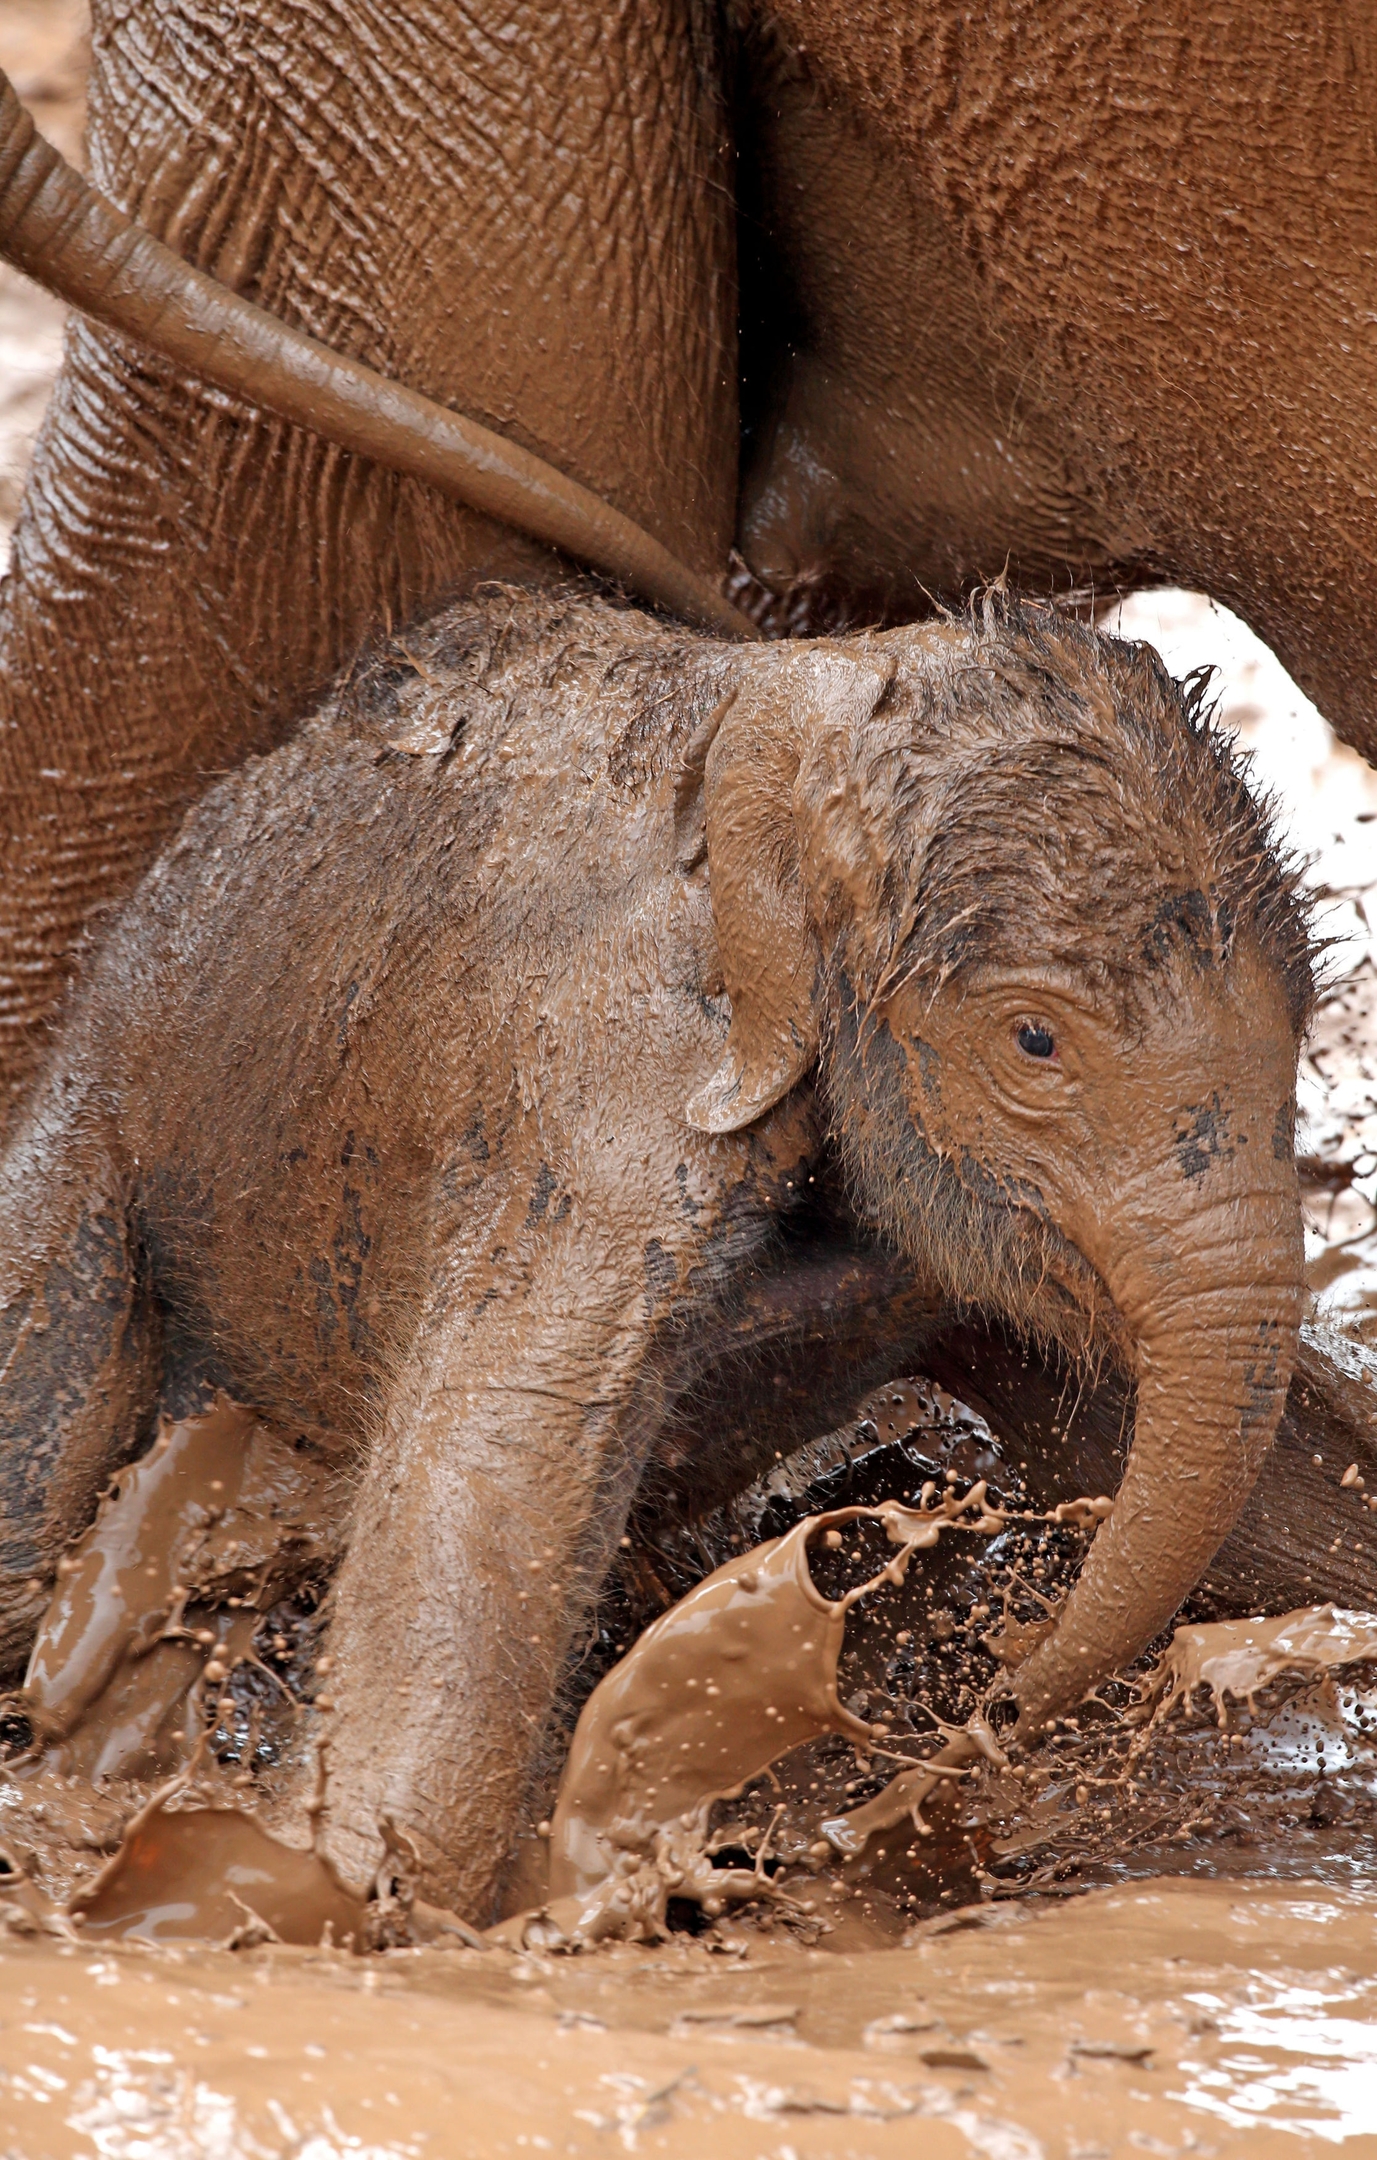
[1215, 1341]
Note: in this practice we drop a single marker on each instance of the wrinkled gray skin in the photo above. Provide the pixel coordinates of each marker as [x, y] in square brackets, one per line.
[405, 1103]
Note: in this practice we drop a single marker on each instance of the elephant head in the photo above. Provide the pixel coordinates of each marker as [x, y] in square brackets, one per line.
[1004, 885]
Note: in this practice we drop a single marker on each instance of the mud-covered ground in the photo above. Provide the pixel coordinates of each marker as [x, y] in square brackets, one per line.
[1153, 1935]
[1158, 1936]
[1170, 2017]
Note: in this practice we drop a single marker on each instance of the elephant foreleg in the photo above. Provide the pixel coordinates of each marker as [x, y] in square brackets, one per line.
[493, 1499]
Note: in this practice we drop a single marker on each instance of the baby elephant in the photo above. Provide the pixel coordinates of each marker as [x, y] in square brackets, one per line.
[548, 1027]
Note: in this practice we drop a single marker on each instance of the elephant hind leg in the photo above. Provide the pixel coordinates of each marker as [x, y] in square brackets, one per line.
[78, 1372]
[1306, 1538]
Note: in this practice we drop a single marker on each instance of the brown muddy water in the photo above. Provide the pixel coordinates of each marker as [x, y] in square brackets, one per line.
[1229, 2005]
[1165, 2016]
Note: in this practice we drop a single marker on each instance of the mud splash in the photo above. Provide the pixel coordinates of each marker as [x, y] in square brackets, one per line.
[215, 1875]
[155, 1610]
[737, 1678]
[160, 1600]
[801, 2016]
[737, 1674]
[1239, 1657]
[743, 1673]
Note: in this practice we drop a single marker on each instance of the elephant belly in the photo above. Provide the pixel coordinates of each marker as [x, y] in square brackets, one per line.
[901, 444]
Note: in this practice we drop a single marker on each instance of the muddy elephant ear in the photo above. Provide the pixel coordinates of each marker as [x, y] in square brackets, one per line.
[766, 941]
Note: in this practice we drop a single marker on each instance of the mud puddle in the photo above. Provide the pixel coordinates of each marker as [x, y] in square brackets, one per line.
[1165, 2017]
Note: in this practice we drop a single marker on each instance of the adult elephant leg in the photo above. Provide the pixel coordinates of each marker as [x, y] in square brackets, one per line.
[1118, 333]
[521, 214]
[884, 461]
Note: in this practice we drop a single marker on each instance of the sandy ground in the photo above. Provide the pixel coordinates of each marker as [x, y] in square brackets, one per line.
[1171, 2016]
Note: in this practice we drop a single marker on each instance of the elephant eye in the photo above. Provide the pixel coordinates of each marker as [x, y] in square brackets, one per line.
[1035, 1041]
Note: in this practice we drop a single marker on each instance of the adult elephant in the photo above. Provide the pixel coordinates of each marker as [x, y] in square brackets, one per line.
[1092, 292]
[1091, 286]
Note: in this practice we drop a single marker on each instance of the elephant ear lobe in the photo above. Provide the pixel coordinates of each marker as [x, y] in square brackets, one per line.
[766, 1057]
[767, 944]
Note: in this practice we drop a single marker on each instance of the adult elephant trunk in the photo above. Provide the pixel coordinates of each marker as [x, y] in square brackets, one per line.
[1212, 1308]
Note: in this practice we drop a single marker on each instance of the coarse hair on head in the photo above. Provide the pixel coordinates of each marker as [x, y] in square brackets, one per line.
[1055, 796]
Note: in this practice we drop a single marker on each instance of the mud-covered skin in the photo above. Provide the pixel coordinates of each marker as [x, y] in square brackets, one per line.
[396, 1075]
[423, 1184]
[536, 184]
[75, 1305]
[1009, 291]
[1016, 289]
